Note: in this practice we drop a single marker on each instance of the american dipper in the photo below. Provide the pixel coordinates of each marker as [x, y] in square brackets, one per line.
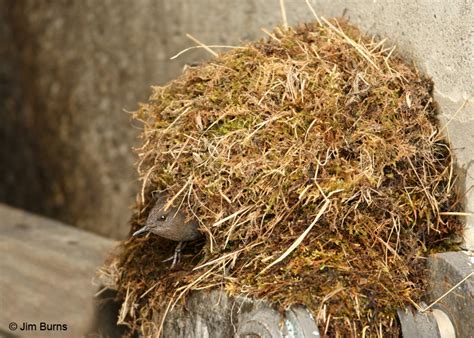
[171, 224]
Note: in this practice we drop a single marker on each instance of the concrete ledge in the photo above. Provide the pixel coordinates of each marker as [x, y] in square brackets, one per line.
[47, 269]
[446, 270]
[214, 314]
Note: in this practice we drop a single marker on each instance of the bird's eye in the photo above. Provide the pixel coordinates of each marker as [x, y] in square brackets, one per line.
[163, 218]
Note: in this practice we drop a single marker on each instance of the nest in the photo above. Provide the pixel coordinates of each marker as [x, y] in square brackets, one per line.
[315, 167]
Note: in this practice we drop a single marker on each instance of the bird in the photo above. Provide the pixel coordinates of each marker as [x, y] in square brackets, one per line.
[170, 223]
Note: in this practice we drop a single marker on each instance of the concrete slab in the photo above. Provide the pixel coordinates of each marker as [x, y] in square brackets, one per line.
[214, 314]
[415, 324]
[47, 271]
[446, 270]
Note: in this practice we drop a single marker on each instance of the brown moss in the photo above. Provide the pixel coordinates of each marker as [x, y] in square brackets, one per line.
[257, 142]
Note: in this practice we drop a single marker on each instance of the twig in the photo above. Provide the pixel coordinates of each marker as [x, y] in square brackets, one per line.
[232, 216]
[201, 44]
[447, 292]
[197, 47]
[226, 255]
[303, 235]
[283, 14]
[456, 113]
[314, 12]
[354, 44]
[456, 213]
[270, 35]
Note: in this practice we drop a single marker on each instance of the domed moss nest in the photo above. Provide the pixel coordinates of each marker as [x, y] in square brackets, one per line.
[315, 167]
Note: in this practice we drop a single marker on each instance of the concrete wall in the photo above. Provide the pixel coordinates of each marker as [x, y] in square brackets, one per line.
[92, 59]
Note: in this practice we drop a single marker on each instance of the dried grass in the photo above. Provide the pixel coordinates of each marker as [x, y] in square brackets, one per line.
[314, 165]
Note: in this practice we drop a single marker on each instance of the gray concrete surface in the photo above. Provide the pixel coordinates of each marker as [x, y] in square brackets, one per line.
[46, 275]
[77, 65]
[446, 270]
[415, 324]
[214, 314]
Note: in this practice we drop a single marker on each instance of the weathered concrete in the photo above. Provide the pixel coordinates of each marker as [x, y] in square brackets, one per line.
[446, 270]
[76, 69]
[46, 274]
[214, 314]
[416, 324]
[76, 65]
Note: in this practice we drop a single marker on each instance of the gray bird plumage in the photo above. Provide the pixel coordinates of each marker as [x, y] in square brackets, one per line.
[170, 223]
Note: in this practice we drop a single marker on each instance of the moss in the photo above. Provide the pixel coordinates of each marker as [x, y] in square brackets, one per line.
[285, 130]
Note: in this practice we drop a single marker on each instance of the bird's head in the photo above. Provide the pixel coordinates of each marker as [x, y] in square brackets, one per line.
[159, 218]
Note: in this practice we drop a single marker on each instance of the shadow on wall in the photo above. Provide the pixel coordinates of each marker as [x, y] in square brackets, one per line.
[67, 75]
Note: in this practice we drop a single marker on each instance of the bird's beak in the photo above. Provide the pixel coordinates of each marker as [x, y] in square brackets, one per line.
[140, 231]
